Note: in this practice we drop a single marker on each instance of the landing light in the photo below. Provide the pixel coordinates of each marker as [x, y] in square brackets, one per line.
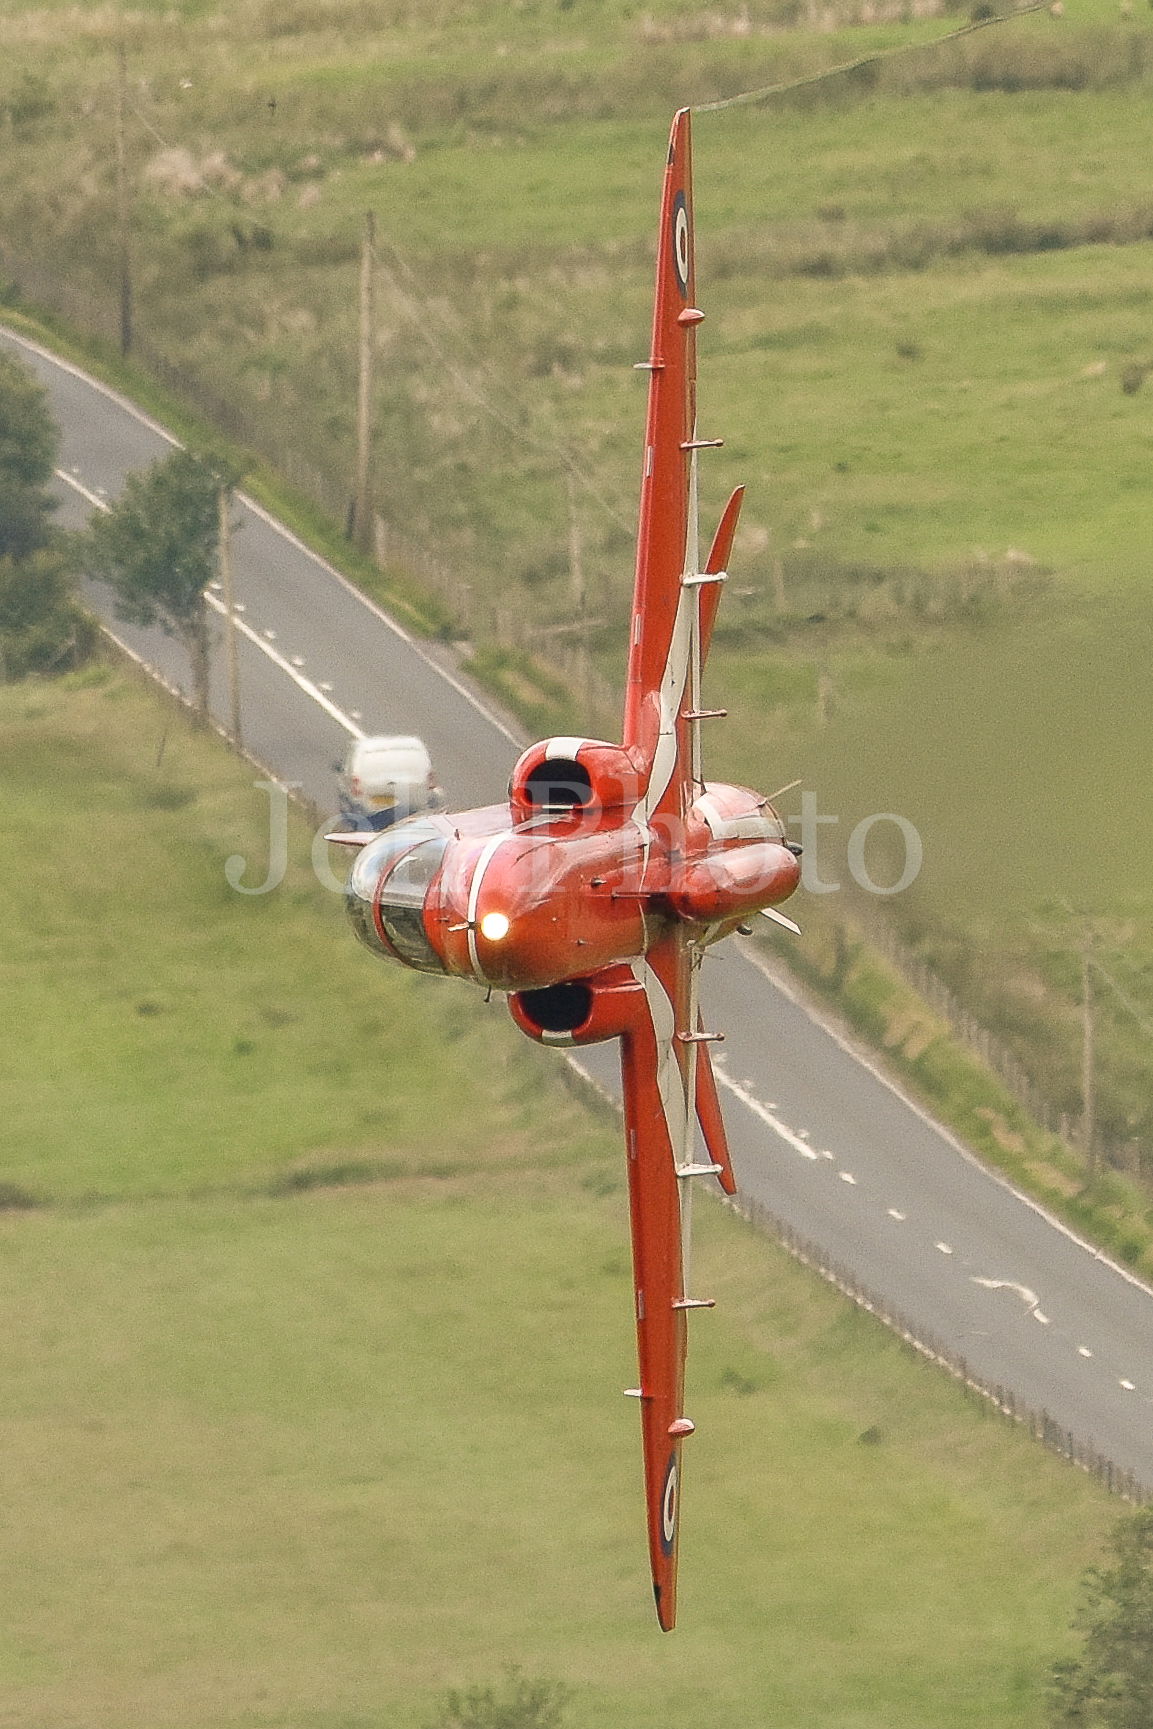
[494, 926]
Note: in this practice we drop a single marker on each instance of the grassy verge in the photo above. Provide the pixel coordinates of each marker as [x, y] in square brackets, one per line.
[838, 965]
[314, 1338]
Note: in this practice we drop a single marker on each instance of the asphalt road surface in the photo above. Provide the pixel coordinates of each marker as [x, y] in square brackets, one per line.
[818, 1135]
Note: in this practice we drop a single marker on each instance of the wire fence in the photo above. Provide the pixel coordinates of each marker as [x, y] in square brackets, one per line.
[1120, 1155]
[1003, 1400]
[328, 485]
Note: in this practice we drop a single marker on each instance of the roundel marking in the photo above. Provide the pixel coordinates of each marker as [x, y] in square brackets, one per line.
[669, 1507]
[680, 237]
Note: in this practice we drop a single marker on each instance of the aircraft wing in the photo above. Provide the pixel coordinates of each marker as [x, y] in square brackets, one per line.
[668, 1079]
[662, 696]
[661, 1068]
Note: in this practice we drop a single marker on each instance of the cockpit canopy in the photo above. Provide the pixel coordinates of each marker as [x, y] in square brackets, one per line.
[386, 891]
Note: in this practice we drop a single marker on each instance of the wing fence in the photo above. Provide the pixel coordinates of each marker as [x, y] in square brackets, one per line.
[1001, 1400]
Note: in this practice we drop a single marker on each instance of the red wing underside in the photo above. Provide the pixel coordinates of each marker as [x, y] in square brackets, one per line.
[659, 1065]
[664, 651]
[668, 1080]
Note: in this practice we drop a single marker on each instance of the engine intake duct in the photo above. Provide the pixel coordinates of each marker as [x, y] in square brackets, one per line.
[558, 783]
[560, 1008]
[581, 1011]
[574, 777]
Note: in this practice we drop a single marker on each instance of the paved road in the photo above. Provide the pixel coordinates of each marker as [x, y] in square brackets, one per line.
[818, 1136]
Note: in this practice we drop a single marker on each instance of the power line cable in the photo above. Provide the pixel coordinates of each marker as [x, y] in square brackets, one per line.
[747, 98]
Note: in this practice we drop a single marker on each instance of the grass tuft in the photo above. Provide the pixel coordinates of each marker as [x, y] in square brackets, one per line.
[16, 1199]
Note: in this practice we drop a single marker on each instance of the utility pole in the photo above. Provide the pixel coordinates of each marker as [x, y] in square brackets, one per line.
[224, 561]
[362, 496]
[123, 238]
[579, 598]
[1088, 1066]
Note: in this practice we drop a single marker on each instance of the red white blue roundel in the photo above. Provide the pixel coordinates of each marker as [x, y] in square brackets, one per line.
[682, 249]
[669, 1507]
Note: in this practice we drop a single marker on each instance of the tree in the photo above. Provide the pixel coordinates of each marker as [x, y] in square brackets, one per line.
[1110, 1686]
[28, 445]
[156, 548]
[42, 629]
[520, 1704]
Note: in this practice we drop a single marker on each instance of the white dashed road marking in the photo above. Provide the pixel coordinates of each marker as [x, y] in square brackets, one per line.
[764, 1112]
[347, 721]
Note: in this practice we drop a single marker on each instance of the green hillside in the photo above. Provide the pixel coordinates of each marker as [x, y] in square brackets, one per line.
[317, 1309]
[929, 286]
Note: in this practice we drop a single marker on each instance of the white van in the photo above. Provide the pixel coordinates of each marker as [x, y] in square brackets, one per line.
[384, 780]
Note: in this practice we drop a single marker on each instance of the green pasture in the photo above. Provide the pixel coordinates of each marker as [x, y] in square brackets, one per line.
[184, 975]
[316, 1296]
[313, 1460]
[922, 293]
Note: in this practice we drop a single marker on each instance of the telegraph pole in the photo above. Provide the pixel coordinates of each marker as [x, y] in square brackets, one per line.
[124, 246]
[1088, 1064]
[362, 497]
[224, 560]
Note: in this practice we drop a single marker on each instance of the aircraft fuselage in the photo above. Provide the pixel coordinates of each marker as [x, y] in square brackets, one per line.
[564, 892]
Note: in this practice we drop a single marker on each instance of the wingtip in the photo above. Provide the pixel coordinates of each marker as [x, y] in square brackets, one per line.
[681, 128]
[666, 1617]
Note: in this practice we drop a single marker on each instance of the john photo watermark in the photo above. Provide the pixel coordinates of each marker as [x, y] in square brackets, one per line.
[882, 853]
[891, 834]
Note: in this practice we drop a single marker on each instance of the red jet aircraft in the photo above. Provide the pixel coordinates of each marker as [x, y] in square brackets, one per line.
[592, 894]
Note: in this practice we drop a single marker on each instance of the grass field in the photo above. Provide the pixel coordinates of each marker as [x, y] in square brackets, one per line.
[929, 287]
[316, 1302]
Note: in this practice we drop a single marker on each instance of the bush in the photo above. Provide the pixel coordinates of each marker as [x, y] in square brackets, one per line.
[1111, 1684]
[520, 1703]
